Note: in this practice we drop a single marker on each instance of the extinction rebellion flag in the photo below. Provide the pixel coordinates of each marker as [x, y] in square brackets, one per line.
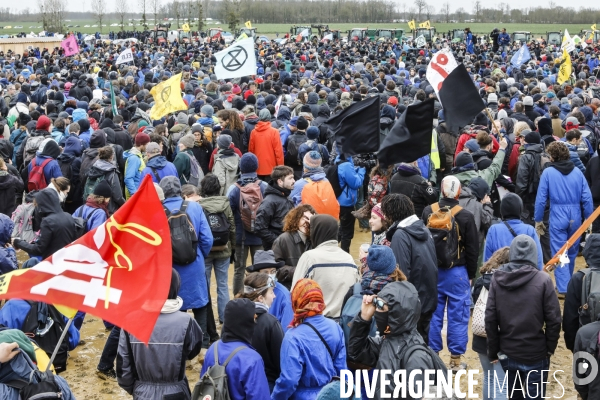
[236, 61]
[119, 271]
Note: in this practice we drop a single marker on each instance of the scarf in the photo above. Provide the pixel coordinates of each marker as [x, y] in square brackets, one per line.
[91, 203]
[286, 192]
[307, 301]
[261, 305]
[172, 305]
[373, 281]
[3, 173]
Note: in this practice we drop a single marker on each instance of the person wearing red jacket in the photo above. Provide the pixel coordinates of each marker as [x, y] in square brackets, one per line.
[480, 123]
[265, 143]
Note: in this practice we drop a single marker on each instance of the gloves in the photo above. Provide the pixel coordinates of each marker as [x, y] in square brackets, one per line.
[232, 258]
[540, 228]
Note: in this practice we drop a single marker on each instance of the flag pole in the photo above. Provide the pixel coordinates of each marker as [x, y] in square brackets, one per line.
[60, 340]
[493, 123]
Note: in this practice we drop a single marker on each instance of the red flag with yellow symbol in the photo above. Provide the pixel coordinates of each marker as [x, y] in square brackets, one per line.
[120, 271]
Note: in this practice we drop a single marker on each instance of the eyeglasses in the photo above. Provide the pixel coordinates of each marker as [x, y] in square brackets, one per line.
[379, 304]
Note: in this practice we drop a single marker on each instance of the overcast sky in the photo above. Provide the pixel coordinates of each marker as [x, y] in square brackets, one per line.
[466, 4]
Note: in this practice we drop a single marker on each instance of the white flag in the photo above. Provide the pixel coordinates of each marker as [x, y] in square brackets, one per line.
[327, 37]
[421, 41]
[125, 56]
[278, 106]
[304, 32]
[236, 61]
[567, 42]
[442, 63]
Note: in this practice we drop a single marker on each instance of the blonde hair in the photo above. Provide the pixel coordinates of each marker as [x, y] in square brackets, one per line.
[520, 127]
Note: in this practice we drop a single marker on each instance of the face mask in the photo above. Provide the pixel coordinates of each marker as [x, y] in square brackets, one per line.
[61, 196]
[274, 277]
[381, 320]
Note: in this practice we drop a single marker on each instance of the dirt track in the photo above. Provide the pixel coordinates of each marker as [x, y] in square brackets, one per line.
[81, 371]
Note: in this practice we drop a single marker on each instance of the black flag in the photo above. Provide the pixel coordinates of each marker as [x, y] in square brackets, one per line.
[410, 137]
[356, 128]
[460, 99]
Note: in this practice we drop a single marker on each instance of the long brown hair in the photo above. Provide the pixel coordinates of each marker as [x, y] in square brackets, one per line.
[233, 119]
[291, 222]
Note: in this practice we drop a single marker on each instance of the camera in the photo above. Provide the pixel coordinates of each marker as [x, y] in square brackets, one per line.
[368, 160]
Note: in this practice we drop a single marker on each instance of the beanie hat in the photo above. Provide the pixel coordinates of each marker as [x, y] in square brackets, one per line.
[527, 101]
[377, 211]
[248, 163]
[293, 121]
[463, 158]
[533, 138]
[545, 127]
[153, 148]
[571, 123]
[84, 125]
[480, 119]
[381, 259]
[98, 139]
[264, 115]
[492, 98]
[208, 110]
[312, 161]
[312, 133]
[182, 118]
[302, 124]
[472, 145]
[450, 187]
[511, 206]
[393, 101]
[103, 189]
[188, 141]
[224, 141]
[43, 123]
[479, 187]
[51, 149]
[142, 139]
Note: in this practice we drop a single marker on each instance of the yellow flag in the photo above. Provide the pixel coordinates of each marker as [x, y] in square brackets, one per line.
[565, 68]
[411, 25]
[593, 27]
[425, 25]
[242, 37]
[185, 27]
[167, 98]
[248, 24]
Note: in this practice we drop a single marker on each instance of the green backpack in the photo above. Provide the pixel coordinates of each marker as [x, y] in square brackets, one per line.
[90, 185]
[213, 384]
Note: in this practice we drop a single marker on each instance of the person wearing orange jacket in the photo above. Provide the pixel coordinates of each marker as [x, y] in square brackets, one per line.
[265, 143]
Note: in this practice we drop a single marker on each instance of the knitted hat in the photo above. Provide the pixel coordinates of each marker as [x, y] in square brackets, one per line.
[264, 115]
[533, 138]
[43, 123]
[463, 158]
[571, 123]
[393, 101]
[377, 211]
[302, 124]
[103, 189]
[527, 101]
[312, 160]
[492, 98]
[188, 141]
[472, 145]
[248, 163]
[153, 148]
[450, 187]
[312, 133]
[182, 118]
[293, 121]
[381, 259]
[197, 128]
[224, 141]
[207, 110]
[142, 139]
[479, 187]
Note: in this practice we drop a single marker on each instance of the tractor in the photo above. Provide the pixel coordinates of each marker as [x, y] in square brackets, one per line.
[358, 34]
[297, 30]
[456, 35]
[427, 33]
[250, 32]
[521, 36]
[554, 38]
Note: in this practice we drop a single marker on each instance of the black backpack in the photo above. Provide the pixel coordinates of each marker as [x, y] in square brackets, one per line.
[438, 365]
[331, 173]
[590, 296]
[213, 384]
[293, 145]
[184, 240]
[219, 227]
[44, 324]
[44, 389]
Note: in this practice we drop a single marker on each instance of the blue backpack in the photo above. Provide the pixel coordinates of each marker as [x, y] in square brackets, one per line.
[351, 310]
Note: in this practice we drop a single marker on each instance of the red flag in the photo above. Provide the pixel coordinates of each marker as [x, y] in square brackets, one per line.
[299, 37]
[217, 35]
[120, 271]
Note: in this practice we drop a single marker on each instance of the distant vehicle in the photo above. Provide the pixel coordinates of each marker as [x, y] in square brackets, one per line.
[250, 32]
[263, 40]
[384, 34]
[554, 38]
[170, 19]
[86, 26]
[428, 33]
[19, 27]
[103, 24]
[77, 26]
[457, 35]
[69, 26]
[114, 24]
[130, 24]
[521, 36]
[8, 27]
[295, 30]
[228, 37]
[357, 34]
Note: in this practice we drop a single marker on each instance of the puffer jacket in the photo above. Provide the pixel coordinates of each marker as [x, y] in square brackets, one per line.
[351, 179]
[386, 352]
[220, 204]
[265, 143]
[270, 215]
[141, 369]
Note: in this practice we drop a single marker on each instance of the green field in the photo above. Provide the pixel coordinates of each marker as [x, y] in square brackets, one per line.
[272, 29]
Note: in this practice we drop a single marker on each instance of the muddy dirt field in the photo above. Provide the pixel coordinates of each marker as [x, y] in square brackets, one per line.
[81, 370]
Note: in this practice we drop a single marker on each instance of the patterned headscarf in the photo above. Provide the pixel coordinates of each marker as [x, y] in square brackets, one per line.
[307, 301]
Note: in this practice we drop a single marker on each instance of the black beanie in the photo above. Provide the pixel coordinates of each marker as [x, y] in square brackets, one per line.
[51, 149]
[302, 124]
[463, 158]
[511, 207]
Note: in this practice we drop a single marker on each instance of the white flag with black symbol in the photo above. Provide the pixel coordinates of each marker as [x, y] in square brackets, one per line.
[125, 56]
[236, 61]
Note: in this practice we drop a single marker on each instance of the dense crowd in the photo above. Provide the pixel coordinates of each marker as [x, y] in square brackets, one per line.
[253, 166]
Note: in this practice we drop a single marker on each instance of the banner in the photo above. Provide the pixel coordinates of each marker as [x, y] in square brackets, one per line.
[125, 56]
[411, 25]
[442, 63]
[567, 42]
[167, 98]
[119, 271]
[69, 45]
[564, 73]
[236, 61]
[248, 24]
[521, 56]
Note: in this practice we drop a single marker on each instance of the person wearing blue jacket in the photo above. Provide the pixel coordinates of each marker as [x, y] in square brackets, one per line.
[14, 313]
[245, 241]
[157, 167]
[134, 164]
[246, 377]
[311, 170]
[503, 40]
[309, 360]
[49, 151]
[567, 190]
[469, 40]
[85, 131]
[351, 180]
[18, 135]
[281, 308]
[95, 210]
[8, 256]
[502, 234]
[194, 288]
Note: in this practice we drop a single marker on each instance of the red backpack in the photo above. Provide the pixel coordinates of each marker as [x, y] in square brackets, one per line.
[37, 180]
